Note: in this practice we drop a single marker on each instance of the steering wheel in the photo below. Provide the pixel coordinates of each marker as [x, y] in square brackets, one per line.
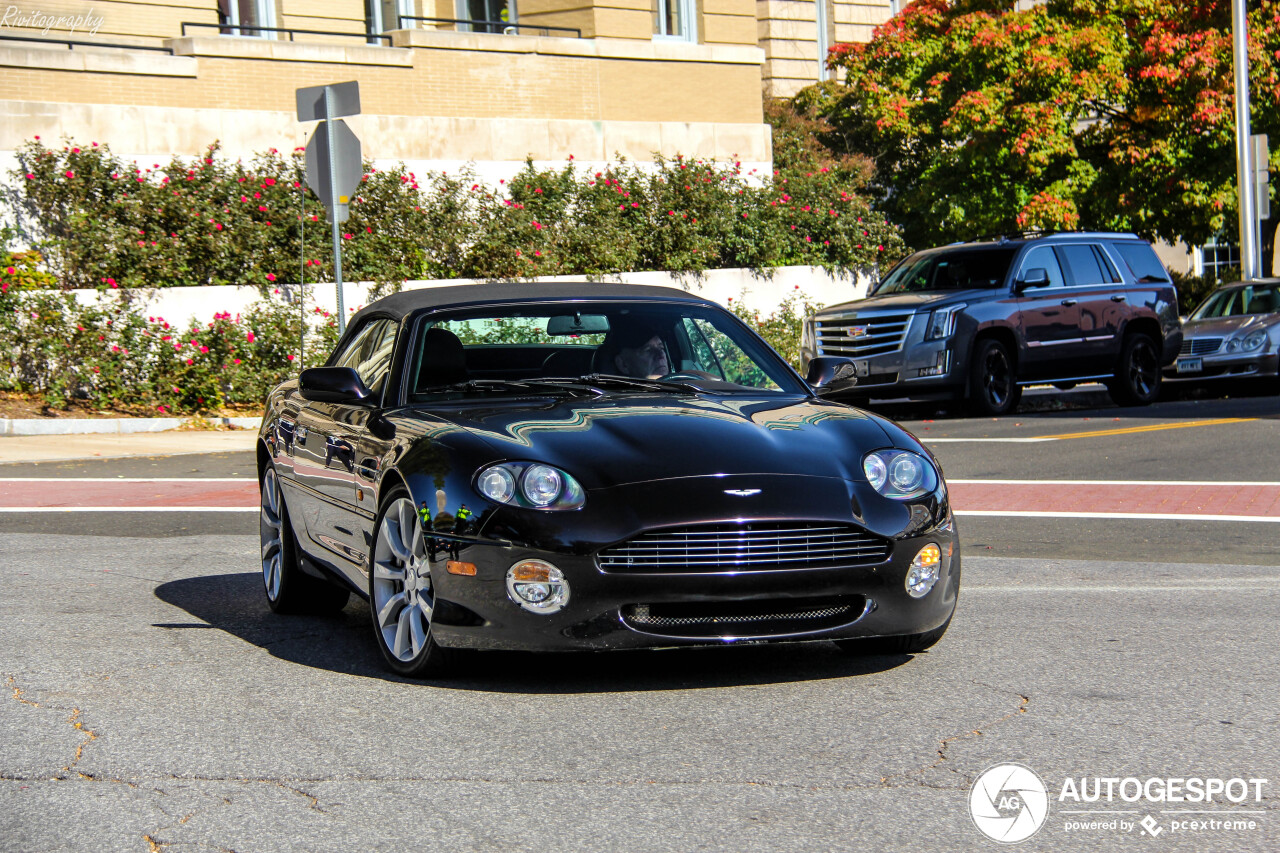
[688, 374]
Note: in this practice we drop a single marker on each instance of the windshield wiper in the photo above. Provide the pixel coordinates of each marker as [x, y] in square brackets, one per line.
[533, 385]
[601, 379]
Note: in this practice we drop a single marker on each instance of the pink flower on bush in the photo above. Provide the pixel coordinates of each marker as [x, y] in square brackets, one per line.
[289, 356]
[70, 174]
[10, 271]
[217, 226]
[269, 182]
[346, 236]
[191, 361]
[249, 337]
[537, 225]
[30, 177]
[270, 277]
[237, 361]
[262, 208]
[368, 230]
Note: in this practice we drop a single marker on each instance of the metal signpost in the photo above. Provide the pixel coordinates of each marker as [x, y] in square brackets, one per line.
[334, 168]
[1250, 252]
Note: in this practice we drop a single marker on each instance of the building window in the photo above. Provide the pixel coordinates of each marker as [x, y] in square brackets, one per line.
[384, 15]
[488, 16]
[247, 17]
[673, 19]
[1216, 257]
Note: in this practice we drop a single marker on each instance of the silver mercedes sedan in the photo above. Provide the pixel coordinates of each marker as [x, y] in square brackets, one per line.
[1234, 334]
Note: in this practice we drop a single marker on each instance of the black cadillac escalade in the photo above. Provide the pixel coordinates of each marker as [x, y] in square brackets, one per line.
[979, 321]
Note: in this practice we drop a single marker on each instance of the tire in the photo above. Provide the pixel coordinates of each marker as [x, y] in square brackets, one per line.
[904, 644]
[288, 588]
[1137, 379]
[993, 379]
[401, 592]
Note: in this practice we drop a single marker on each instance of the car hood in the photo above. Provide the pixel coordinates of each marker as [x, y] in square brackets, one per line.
[903, 301]
[1224, 326]
[615, 440]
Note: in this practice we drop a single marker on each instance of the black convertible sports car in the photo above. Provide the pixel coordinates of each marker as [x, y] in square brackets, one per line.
[592, 466]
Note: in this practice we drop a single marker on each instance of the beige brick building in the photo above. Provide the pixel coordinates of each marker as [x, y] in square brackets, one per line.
[443, 82]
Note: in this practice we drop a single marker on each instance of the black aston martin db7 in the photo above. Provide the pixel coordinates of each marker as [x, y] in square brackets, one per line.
[594, 466]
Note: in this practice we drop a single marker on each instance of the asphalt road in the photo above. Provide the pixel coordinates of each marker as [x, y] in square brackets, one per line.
[151, 700]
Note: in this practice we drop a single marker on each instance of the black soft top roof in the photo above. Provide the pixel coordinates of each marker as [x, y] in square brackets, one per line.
[400, 305]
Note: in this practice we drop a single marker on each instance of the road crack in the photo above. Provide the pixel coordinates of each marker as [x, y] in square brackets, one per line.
[945, 744]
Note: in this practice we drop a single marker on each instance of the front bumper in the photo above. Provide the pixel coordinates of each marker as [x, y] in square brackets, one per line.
[632, 610]
[1223, 367]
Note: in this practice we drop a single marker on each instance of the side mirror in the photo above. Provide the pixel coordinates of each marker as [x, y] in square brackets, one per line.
[334, 385]
[829, 373]
[1034, 277]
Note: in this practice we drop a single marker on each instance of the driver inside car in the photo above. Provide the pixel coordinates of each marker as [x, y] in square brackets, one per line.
[641, 353]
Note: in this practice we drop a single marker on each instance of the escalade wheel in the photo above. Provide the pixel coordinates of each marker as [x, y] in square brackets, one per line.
[1137, 379]
[993, 383]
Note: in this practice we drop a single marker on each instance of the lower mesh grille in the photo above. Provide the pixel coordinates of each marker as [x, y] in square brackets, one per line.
[743, 618]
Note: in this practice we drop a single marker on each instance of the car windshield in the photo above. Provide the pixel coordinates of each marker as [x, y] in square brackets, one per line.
[949, 269]
[1240, 301]
[581, 347]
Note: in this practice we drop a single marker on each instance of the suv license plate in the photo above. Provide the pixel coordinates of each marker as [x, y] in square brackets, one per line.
[1190, 365]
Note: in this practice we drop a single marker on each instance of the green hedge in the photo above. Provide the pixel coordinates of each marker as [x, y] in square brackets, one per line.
[100, 222]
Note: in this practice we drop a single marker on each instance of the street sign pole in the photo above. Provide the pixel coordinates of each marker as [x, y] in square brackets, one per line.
[336, 227]
[1250, 255]
[334, 166]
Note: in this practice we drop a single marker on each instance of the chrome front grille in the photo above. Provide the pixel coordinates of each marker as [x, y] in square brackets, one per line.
[746, 547]
[1199, 346]
[768, 618]
[863, 337]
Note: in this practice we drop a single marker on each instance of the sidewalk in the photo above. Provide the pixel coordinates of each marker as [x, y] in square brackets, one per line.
[56, 448]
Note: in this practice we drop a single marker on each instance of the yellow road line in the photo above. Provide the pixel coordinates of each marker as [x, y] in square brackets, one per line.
[1149, 428]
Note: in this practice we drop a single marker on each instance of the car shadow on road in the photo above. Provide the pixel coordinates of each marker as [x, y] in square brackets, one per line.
[344, 643]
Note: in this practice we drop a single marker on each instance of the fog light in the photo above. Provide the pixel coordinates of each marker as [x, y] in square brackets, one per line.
[924, 572]
[537, 586]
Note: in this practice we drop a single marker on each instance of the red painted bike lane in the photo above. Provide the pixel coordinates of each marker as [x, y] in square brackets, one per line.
[1256, 500]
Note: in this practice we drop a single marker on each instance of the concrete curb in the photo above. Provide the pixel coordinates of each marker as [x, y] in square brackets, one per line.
[108, 426]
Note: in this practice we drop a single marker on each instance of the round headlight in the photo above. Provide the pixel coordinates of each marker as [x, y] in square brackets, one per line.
[906, 472]
[876, 471]
[537, 586]
[900, 474]
[497, 484]
[541, 485]
[1250, 342]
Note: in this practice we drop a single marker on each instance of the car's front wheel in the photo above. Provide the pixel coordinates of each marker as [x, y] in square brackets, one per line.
[402, 592]
[1137, 379]
[993, 381]
[289, 589]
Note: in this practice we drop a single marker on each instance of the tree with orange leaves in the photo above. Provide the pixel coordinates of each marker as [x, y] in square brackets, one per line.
[1110, 114]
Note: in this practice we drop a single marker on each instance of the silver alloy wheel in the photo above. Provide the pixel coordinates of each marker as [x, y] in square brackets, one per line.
[403, 596]
[271, 527]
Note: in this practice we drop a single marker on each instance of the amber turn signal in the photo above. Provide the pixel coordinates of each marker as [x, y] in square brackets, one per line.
[455, 567]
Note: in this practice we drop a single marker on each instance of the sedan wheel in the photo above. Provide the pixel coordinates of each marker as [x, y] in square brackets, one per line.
[993, 383]
[289, 589]
[402, 593]
[1137, 379]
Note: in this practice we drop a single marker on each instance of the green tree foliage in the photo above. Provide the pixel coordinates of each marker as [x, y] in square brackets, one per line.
[1112, 114]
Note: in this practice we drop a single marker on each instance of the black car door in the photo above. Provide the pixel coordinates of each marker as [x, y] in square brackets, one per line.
[1100, 297]
[1049, 316]
[326, 437]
